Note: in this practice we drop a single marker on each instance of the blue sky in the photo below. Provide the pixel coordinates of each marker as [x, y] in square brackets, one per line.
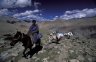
[47, 9]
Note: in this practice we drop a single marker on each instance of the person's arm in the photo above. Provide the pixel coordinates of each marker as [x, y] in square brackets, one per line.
[36, 30]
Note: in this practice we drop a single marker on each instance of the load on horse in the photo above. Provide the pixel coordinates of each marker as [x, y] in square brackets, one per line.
[55, 37]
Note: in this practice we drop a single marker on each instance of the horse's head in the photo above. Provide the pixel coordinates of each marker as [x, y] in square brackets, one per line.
[17, 35]
[16, 38]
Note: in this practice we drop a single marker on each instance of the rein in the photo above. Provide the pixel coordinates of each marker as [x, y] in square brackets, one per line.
[19, 36]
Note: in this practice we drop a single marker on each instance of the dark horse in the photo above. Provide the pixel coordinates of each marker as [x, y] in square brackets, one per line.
[25, 39]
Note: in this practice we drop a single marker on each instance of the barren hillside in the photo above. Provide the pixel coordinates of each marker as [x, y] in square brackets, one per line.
[81, 47]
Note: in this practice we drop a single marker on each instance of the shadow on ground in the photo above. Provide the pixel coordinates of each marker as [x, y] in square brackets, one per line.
[35, 50]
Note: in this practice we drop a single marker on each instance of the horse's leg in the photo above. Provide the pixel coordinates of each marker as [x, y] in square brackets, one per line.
[30, 51]
[29, 45]
[30, 48]
[24, 52]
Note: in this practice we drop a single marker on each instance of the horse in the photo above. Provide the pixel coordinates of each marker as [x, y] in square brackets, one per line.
[58, 36]
[24, 38]
[55, 37]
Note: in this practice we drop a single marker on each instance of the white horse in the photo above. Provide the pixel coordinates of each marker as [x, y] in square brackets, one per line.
[58, 36]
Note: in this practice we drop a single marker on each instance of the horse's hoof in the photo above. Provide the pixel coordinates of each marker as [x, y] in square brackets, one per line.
[30, 56]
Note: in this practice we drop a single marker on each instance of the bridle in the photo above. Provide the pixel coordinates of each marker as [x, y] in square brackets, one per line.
[20, 36]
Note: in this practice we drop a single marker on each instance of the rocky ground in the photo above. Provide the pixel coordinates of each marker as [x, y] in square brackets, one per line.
[81, 47]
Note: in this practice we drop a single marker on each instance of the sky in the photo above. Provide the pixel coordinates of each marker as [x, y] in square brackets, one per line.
[48, 9]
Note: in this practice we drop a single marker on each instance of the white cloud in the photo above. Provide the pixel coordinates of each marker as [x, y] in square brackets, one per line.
[36, 11]
[29, 15]
[79, 13]
[4, 12]
[36, 5]
[56, 17]
[14, 3]
[40, 14]
[23, 3]
[26, 13]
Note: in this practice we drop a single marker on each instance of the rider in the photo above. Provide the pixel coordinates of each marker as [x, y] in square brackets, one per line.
[34, 33]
